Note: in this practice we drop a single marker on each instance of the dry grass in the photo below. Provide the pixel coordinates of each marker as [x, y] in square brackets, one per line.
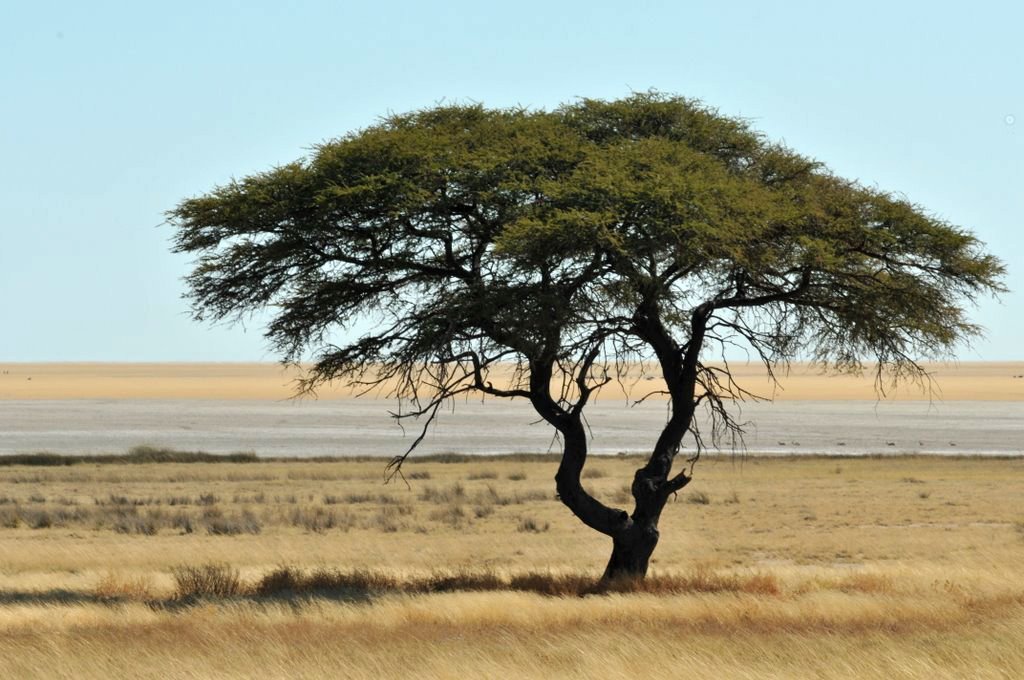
[370, 583]
[905, 567]
[206, 581]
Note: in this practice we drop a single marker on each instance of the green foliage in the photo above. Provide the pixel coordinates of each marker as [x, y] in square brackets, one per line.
[571, 244]
[460, 227]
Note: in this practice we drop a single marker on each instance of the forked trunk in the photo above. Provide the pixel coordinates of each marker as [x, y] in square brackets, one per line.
[634, 544]
[631, 552]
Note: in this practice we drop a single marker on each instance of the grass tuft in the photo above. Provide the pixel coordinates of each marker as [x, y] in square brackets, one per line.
[531, 525]
[316, 519]
[698, 498]
[456, 492]
[244, 523]
[206, 581]
[114, 586]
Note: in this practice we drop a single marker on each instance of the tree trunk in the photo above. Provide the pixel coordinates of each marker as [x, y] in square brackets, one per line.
[633, 545]
[635, 537]
[631, 552]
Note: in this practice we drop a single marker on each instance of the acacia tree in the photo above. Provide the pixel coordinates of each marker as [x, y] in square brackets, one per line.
[540, 255]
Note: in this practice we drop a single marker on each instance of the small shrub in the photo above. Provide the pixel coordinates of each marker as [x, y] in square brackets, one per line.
[698, 498]
[133, 524]
[246, 523]
[482, 474]
[37, 498]
[37, 519]
[153, 454]
[280, 580]
[208, 580]
[316, 519]
[315, 476]
[481, 511]
[419, 474]
[529, 524]
[516, 476]
[182, 522]
[385, 520]
[594, 473]
[353, 498]
[455, 492]
[492, 496]
[64, 516]
[210, 512]
[9, 518]
[453, 515]
[289, 580]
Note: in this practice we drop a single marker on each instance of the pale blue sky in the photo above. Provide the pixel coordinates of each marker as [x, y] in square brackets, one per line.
[114, 111]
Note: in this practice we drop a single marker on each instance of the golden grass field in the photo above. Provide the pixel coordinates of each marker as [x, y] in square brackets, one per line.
[983, 381]
[906, 567]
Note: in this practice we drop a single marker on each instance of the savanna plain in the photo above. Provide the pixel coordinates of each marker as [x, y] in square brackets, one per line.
[159, 564]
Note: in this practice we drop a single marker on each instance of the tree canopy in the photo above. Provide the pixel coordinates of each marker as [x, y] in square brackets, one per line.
[573, 245]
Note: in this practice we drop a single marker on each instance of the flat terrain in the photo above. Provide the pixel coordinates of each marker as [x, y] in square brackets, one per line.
[985, 381]
[803, 567]
[105, 408]
[355, 427]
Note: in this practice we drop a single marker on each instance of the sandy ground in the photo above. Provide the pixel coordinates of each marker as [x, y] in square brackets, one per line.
[967, 381]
